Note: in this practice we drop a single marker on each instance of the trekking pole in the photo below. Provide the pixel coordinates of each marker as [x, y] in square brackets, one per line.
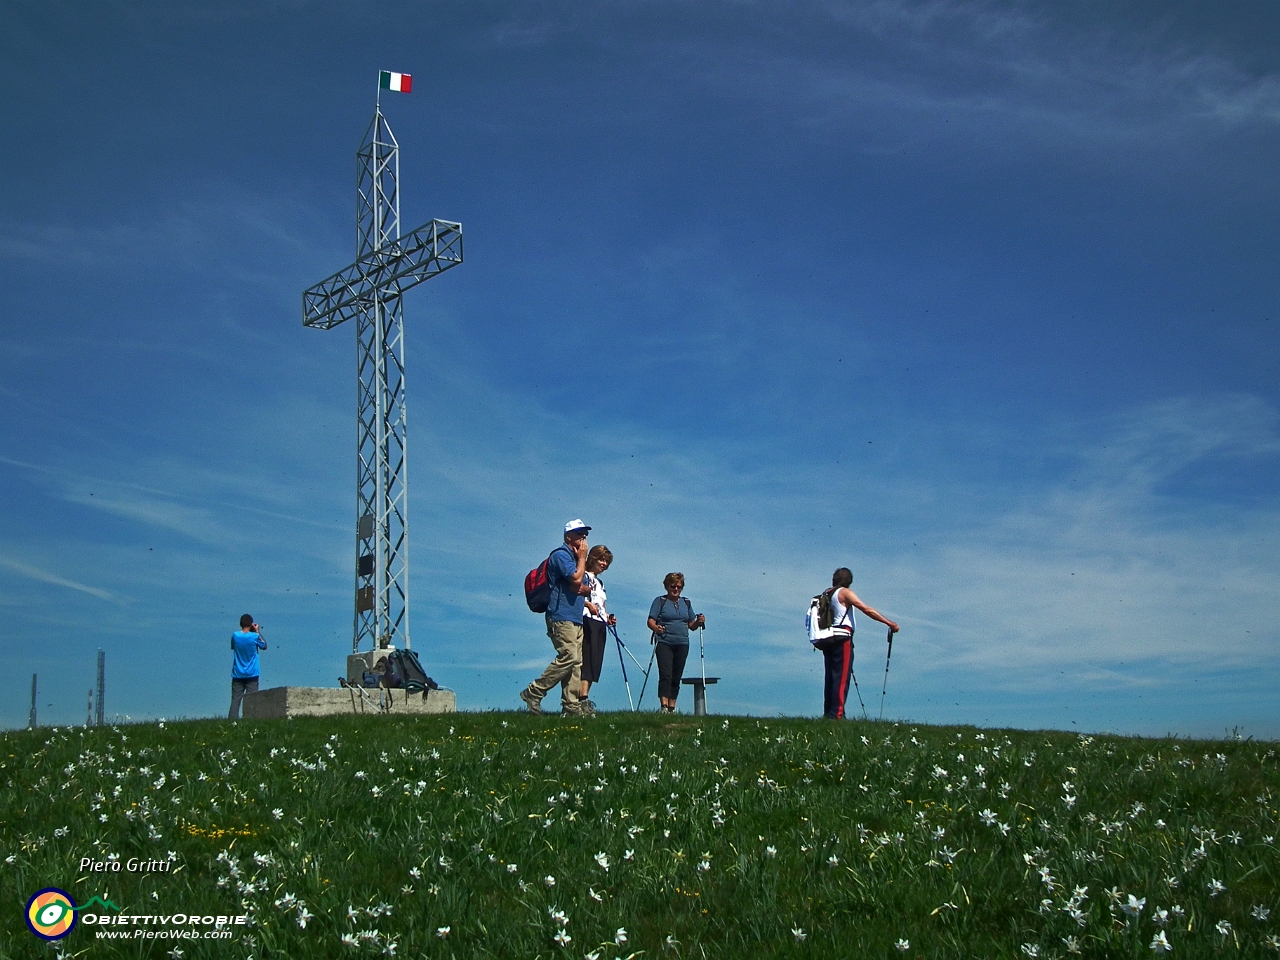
[627, 650]
[653, 643]
[702, 652]
[623, 663]
[885, 686]
[853, 673]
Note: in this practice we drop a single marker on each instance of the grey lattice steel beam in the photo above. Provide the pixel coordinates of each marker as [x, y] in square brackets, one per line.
[430, 250]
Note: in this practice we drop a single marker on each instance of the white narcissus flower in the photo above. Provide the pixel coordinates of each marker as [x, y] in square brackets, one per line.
[443, 932]
[903, 945]
[562, 938]
[549, 880]
[621, 936]
[1223, 927]
[1160, 943]
[1134, 907]
[799, 934]
[602, 860]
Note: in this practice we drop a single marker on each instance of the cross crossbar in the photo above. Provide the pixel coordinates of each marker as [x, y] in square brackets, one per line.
[389, 271]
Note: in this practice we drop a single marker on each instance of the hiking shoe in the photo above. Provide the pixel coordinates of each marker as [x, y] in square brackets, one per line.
[586, 708]
[533, 703]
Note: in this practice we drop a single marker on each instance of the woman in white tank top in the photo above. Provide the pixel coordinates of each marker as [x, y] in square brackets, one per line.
[839, 656]
[841, 616]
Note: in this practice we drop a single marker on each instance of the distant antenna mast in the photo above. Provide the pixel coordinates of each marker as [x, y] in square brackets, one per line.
[32, 721]
[102, 683]
[370, 291]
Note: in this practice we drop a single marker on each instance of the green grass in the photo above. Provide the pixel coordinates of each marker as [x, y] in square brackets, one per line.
[724, 837]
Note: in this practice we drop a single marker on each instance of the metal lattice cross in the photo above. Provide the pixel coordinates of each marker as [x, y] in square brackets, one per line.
[369, 290]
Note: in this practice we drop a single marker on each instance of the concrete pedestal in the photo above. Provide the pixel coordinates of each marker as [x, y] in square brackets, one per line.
[337, 701]
[700, 693]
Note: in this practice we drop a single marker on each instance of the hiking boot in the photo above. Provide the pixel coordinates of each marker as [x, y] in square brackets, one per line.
[533, 703]
[586, 708]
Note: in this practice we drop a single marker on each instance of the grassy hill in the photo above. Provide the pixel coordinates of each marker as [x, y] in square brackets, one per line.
[507, 835]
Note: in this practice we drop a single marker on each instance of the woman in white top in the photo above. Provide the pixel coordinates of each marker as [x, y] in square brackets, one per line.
[595, 618]
[839, 656]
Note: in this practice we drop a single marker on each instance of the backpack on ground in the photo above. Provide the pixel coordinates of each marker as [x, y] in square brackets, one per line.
[410, 668]
[822, 632]
[392, 673]
[537, 586]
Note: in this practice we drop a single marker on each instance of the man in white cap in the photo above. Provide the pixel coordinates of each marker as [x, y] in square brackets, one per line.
[565, 569]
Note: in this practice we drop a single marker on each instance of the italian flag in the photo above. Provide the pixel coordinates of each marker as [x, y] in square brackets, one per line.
[399, 82]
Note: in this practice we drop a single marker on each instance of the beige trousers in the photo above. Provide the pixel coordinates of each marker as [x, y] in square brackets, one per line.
[566, 668]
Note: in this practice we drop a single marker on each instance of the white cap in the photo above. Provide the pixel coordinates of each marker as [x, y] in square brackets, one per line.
[573, 525]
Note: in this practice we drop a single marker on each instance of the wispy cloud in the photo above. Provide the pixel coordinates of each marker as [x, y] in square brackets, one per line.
[980, 63]
[1090, 569]
[44, 576]
[239, 227]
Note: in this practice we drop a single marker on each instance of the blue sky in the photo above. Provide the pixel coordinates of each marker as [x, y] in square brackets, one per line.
[977, 299]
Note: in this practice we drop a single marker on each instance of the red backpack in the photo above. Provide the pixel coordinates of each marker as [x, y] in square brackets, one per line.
[537, 586]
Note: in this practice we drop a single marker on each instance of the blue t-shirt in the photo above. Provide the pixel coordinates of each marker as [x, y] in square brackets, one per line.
[675, 617]
[246, 647]
[565, 603]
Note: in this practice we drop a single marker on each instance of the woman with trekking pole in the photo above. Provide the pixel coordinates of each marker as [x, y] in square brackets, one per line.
[595, 620]
[839, 655]
[671, 617]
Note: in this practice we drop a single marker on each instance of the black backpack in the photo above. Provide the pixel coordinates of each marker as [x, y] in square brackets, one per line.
[410, 673]
[392, 673]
